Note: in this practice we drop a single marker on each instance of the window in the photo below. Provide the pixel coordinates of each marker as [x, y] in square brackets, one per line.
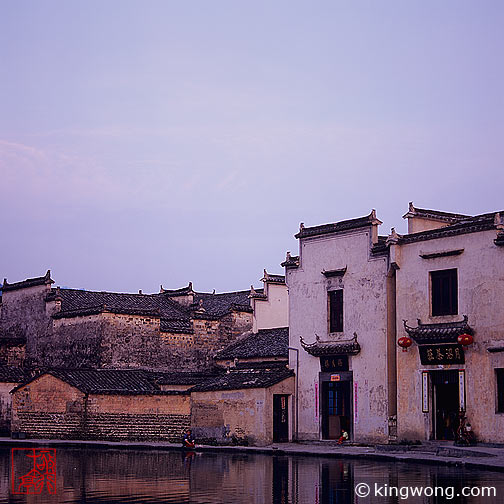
[499, 376]
[336, 311]
[444, 291]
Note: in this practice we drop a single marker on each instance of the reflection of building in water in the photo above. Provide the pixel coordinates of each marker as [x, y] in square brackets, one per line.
[97, 475]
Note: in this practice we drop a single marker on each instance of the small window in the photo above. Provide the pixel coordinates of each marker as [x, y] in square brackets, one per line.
[336, 311]
[499, 376]
[444, 289]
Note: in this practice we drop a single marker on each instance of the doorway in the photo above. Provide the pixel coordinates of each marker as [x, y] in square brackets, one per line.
[336, 414]
[446, 404]
[280, 418]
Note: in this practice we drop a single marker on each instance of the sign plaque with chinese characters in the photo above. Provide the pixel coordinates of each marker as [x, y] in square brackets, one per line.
[334, 363]
[441, 354]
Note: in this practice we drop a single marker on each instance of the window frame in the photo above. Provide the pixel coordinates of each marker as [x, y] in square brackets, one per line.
[444, 292]
[499, 390]
[335, 309]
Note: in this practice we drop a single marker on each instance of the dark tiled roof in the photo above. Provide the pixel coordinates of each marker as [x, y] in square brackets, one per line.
[260, 365]
[219, 304]
[264, 343]
[334, 273]
[108, 381]
[426, 213]
[182, 378]
[124, 381]
[174, 317]
[446, 332]
[269, 277]
[11, 374]
[483, 222]
[29, 282]
[381, 247]
[290, 261]
[337, 227]
[499, 241]
[257, 293]
[243, 379]
[184, 291]
[176, 326]
[321, 348]
[73, 300]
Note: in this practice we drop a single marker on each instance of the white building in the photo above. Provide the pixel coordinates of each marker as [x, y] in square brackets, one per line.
[337, 313]
[350, 291]
[450, 281]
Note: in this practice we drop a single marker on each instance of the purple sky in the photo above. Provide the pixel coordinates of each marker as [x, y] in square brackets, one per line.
[160, 142]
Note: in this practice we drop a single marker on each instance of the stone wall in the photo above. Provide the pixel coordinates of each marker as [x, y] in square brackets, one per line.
[23, 314]
[50, 408]
[111, 340]
[73, 342]
[12, 354]
[114, 340]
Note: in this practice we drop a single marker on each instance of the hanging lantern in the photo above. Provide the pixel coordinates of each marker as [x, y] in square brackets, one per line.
[465, 340]
[404, 343]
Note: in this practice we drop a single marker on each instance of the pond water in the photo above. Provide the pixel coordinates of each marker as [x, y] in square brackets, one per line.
[151, 476]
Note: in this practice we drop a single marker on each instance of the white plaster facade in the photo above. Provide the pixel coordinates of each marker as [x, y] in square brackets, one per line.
[386, 280]
[271, 306]
[479, 263]
[363, 282]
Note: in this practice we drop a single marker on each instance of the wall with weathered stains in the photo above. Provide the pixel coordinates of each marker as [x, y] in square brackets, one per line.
[23, 315]
[73, 342]
[143, 416]
[12, 354]
[480, 294]
[245, 414]
[134, 341]
[285, 387]
[364, 310]
[50, 408]
[236, 413]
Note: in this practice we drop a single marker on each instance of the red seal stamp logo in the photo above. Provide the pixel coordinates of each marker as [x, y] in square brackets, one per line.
[33, 469]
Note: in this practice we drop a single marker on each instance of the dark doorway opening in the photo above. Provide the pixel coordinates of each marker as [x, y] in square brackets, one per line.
[336, 414]
[446, 404]
[280, 418]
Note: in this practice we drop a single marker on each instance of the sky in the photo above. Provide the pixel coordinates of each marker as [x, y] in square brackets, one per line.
[161, 142]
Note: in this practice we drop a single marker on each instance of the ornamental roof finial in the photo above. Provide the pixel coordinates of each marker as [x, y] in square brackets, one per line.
[393, 237]
[498, 221]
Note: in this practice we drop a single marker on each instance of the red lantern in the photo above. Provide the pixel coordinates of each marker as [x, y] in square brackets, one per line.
[465, 340]
[404, 343]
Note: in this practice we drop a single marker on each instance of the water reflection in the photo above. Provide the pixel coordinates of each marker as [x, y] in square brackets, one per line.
[126, 476]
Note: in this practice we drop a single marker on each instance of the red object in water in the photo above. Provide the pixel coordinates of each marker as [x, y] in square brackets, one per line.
[404, 343]
[465, 340]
